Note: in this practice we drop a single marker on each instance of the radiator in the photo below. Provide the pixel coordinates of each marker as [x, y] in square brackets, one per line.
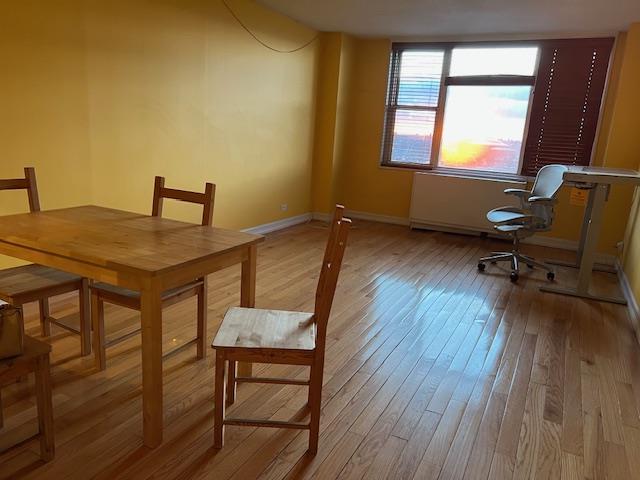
[455, 203]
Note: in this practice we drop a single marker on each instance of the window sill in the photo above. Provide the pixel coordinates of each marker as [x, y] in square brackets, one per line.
[451, 172]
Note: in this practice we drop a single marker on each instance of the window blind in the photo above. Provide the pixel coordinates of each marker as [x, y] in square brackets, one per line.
[412, 105]
[566, 102]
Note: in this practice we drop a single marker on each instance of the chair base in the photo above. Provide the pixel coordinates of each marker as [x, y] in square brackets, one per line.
[515, 258]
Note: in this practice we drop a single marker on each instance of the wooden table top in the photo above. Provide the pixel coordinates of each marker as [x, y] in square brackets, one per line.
[118, 240]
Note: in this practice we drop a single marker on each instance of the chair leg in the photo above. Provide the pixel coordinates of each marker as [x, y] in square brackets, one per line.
[231, 382]
[1, 414]
[515, 267]
[532, 261]
[44, 317]
[202, 320]
[97, 321]
[45, 408]
[218, 427]
[315, 402]
[85, 318]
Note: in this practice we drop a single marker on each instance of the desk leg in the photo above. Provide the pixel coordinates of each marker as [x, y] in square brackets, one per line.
[588, 213]
[586, 221]
[591, 238]
[152, 410]
[248, 295]
[587, 257]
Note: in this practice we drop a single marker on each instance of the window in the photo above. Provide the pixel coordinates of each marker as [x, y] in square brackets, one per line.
[499, 108]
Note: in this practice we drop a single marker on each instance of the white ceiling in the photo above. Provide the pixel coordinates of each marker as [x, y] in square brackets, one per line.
[433, 18]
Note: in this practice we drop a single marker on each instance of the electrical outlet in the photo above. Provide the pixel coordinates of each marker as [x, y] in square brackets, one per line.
[284, 207]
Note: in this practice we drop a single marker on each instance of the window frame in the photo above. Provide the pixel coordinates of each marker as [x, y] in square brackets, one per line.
[446, 80]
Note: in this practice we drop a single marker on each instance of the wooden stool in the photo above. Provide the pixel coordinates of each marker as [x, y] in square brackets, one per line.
[35, 358]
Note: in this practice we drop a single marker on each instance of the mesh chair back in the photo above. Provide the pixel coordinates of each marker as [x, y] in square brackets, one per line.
[547, 185]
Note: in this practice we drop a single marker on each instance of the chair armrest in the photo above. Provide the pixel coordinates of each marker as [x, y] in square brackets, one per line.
[517, 191]
[541, 200]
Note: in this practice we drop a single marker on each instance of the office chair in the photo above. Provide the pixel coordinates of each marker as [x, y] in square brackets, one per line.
[534, 215]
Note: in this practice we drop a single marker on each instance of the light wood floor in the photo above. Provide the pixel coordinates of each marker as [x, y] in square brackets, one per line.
[433, 371]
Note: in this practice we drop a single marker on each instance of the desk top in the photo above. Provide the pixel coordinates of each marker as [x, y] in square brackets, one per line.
[118, 240]
[601, 175]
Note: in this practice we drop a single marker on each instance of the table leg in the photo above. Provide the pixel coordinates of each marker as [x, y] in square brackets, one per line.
[45, 408]
[152, 410]
[248, 295]
[202, 319]
[85, 317]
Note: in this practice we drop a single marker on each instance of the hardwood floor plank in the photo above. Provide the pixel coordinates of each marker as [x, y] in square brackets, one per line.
[530, 433]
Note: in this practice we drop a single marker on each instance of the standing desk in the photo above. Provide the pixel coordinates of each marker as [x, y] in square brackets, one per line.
[598, 181]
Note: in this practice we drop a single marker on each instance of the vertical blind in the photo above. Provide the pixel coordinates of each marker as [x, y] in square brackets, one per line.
[566, 102]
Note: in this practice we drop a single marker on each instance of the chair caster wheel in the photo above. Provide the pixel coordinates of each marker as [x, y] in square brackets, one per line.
[529, 265]
[481, 267]
[551, 276]
[514, 277]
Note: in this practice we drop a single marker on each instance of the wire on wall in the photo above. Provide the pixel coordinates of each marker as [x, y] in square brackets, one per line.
[261, 42]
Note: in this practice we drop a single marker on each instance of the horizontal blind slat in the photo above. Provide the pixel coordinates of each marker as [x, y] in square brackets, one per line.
[566, 102]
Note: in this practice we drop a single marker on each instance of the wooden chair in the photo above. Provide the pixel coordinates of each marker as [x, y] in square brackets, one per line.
[102, 292]
[280, 337]
[35, 358]
[31, 283]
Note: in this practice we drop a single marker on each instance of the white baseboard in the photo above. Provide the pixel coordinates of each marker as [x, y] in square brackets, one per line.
[279, 224]
[323, 217]
[632, 304]
[374, 217]
[552, 242]
[572, 246]
[560, 243]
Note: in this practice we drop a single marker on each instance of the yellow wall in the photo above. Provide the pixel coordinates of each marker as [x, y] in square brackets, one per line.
[43, 104]
[101, 96]
[369, 188]
[179, 89]
[624, 143]
[322, 195]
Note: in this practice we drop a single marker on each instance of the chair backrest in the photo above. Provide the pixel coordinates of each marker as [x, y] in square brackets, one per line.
[27, 183]
[547, 185]
[548, 181]
[338, 213]
[206, 199]
[329, 273]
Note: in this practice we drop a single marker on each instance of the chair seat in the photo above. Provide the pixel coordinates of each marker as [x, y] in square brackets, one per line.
[266, 329]
[506, 214]
[510, 228]
[32, 348]
[27, 283]
[112, 292]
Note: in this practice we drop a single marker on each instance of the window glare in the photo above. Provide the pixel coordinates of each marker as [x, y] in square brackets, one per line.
[493, 61]
[484, 127]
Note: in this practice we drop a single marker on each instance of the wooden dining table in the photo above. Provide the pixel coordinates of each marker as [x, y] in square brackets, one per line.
[143, 253]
